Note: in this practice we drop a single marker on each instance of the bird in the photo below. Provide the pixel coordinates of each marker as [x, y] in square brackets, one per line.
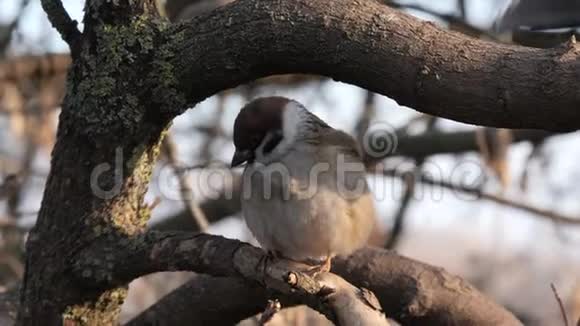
[305, 197]
[539, 15]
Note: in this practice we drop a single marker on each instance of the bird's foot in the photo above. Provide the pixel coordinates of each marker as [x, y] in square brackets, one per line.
[319, 267]
[310, 267]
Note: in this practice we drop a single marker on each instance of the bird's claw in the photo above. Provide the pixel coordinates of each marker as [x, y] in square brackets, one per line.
[323, 267]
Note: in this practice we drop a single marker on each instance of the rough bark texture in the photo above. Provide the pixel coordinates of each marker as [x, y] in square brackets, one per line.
[132, 73]
[208, 300]
[419, 294]
[436, 142]
[378, 48]
[410, 292]
[107, 139]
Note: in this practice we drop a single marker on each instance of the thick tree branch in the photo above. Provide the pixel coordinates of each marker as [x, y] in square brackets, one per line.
[437, 142]
[201, 253]
[414, 293]
[409, 291]
[8, 307]
[207, 300]
[226, 301]
[62, 22]
[378, 48]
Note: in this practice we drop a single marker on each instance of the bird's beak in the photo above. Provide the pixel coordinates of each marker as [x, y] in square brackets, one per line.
[241, 157]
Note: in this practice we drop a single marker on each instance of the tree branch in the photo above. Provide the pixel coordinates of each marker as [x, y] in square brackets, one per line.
[192, 208]
[62, 22]
[6, 31]
[382, 50]
[208, 300]
[225, 204]
[437, 142]
[409, 192]
[200, 253]
[226, 301]
[478, 193]
[409, 291]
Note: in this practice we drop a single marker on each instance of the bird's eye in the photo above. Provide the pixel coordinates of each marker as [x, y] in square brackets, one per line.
[272, 140]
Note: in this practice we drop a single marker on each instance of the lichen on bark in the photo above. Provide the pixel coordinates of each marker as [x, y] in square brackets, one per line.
[120, 95]
[126, 79]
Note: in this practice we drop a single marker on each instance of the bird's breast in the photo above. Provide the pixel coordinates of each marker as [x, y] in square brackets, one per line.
[294, 206]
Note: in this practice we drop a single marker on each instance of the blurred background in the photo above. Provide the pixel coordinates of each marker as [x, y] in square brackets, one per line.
[498, 207]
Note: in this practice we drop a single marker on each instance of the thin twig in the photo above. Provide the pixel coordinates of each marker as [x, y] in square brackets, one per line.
[214, 128]
[192, 207]
[399, 224]
[560, 304]
[8, 31]
[543, 213]
[462, 9]
[207, 165]
[366, 116]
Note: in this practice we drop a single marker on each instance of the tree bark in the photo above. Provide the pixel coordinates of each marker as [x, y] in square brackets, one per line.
[208, 300]
[378, 48]
[410, 292]
[107, 142]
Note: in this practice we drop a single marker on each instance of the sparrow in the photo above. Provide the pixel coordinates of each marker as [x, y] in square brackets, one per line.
[539, 15]
[304, 192]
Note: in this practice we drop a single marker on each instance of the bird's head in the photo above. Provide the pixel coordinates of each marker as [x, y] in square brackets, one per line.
[265, 123]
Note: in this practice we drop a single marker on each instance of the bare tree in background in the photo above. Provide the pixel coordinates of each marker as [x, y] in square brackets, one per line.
[132, 72]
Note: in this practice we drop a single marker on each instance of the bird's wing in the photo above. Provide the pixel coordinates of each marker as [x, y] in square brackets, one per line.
[342, 141]
[539, 14]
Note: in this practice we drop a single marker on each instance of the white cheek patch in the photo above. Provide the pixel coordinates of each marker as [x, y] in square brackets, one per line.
[291, 121]
[260, 155]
